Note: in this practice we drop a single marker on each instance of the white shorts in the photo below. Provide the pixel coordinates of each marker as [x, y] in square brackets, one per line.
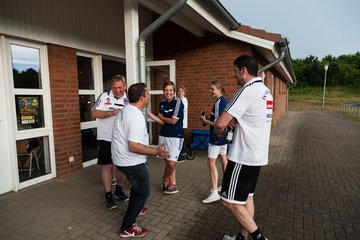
[172, 145]
[215, 150]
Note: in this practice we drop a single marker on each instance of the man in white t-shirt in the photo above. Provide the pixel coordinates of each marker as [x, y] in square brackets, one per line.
[129, 148]
[105, 109]
[250, 112]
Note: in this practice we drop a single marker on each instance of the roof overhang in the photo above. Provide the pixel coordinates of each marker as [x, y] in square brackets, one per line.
[199, 16]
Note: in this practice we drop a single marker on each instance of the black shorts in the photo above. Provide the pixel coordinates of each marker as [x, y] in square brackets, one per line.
[104, 157]
[239, 182]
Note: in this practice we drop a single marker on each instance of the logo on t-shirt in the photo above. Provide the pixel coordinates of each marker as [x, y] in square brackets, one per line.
[269, 104]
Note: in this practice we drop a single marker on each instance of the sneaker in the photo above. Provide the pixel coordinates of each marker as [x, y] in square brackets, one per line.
[143, 211]
[171, 189]
[113, 183]
[181, 160]
[165, 185]
[121, 196]
[134, 231]
[213, 197]
[226, 237]
[110, 204]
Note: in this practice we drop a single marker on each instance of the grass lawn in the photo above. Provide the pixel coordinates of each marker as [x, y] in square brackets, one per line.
[310, 98]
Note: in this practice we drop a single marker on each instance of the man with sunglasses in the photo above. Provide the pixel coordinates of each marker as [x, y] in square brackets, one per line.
[251, 107]
[129, 148]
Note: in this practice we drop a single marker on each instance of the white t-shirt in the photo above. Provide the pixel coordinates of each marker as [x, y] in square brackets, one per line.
[186, 104]
[107, 102]
[252, 106]
[130, 125]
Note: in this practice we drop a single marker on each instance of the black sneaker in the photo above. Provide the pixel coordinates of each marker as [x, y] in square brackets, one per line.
[110, 204]
[121, 196]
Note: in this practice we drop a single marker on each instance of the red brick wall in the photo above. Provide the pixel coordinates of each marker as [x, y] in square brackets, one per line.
[279, 96]
[65, 108]
[200, 60]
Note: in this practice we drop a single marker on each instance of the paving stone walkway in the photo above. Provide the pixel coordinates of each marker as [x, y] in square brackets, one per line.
[309, 190]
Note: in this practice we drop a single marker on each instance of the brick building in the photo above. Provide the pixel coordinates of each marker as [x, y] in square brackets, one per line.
[58, 56]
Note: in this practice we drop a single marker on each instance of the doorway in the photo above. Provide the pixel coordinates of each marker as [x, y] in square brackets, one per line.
[157, 73]
[27, 115]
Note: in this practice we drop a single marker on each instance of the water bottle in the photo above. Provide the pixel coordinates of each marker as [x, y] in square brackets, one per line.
[230, 135]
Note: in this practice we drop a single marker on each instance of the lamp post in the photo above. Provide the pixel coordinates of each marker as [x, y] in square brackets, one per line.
[323, 100]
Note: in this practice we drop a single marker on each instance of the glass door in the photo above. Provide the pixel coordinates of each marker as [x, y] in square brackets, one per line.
[31, 112]
[157, 73]
[94, 73]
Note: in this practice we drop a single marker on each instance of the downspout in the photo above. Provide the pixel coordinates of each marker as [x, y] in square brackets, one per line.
[276, 61]
[284, 47]
[149, 30]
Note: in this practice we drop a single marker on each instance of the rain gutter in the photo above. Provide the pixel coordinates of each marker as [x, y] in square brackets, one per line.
[284, 48]
[226, 14]
[149, 30]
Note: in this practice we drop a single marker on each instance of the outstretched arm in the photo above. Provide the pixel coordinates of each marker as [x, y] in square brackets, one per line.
[155, 118]
[104, 114]
[171, 121]
[146, 150]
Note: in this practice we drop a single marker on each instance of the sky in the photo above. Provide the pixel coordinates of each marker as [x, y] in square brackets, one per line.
[25, 57]
[313, 27]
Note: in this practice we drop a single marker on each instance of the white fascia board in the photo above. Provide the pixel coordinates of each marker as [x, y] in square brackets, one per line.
[232, 34]
[182, 21]
[286, 71]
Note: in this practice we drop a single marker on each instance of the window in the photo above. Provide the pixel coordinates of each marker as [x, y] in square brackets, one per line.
[26, 67]
[94, 75]
[31, 111]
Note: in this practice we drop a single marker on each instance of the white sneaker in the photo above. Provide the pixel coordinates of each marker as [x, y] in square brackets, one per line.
[213, 197]
[226, 237]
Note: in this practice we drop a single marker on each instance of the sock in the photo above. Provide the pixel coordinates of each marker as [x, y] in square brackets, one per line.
[108, 195]
[240, 237]
[257, 235]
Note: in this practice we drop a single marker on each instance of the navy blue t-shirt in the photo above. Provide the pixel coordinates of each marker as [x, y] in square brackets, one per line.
[216, 111]
[172, 109]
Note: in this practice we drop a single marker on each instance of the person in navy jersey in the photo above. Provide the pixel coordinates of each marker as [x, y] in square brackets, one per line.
[217, 145]
[170, 117]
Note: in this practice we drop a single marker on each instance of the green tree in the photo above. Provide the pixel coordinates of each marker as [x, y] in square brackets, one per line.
[343, 71]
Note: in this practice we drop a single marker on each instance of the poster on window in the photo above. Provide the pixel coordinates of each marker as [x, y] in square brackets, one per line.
[29, 109]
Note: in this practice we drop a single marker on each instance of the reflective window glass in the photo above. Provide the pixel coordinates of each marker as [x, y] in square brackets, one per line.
[33, 158]
[110, 69]
[89, 144]
[86, 102]
[26, 67]
[85, 73]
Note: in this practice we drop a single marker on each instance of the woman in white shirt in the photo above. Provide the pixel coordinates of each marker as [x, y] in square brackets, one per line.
[181, 92]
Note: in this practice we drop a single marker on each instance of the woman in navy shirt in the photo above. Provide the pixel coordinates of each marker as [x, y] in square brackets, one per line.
[217, 144]
[171, 115]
